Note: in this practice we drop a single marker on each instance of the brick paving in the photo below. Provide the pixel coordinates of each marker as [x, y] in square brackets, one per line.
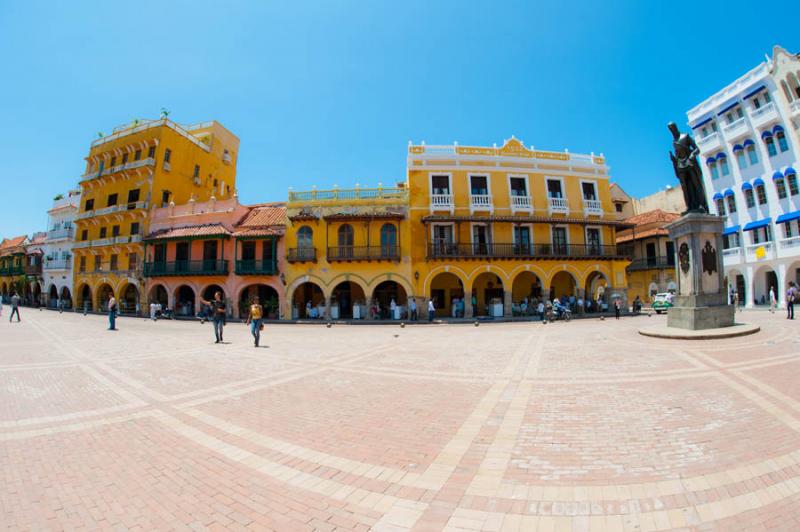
[516, 426]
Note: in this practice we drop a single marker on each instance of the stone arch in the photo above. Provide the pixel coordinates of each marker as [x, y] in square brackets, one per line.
[267, 295]
[563, 283]
[185, 298]
[576, 274]
[308, 301]
[383, 294]
[52, 296]
[66, 297]
[158, 294]
[444, 286]
[128, 300]
[455, 270]
[764, 278]
[399, 279]
[527, 287]
[308, 278]
[344, 296]
[84, 300]
[488, 290]
[488, 268]
[103, 292]
[595, 283]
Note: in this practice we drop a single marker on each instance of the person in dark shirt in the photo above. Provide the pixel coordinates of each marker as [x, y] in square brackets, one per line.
[218, 310]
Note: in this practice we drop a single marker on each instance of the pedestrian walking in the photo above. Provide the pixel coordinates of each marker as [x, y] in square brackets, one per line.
[153, 310]
[85, 307]
[791, 296]
[773, 304]
[412, 307]
[14, 307]
[112, 313]
[431, 310]
[735, 301]
[218, 309]
[540, 310]
[617, 307]
[60, 306]
[254, 318]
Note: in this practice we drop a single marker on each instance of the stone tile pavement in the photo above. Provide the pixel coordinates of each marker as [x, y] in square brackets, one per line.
[515, 426]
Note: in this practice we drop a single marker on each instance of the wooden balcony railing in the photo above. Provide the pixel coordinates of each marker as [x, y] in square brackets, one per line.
[186, 267]
[256, 267]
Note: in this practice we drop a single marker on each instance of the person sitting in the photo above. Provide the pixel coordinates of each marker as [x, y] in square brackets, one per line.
[558, 307]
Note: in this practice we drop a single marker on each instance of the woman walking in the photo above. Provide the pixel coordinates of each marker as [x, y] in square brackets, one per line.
[254, 318]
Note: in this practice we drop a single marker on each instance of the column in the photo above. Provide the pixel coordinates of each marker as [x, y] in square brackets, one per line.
[468, 310]
[507, 304]
[327, 307]
[782, 285]
[749, 291]
[581, 294]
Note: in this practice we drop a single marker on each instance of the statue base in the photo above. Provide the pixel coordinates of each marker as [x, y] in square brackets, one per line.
[701, 302]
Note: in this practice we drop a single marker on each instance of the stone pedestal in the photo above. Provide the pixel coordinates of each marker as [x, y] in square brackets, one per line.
[701, 301]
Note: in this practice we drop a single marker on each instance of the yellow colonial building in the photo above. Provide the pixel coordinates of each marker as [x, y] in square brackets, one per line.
[496, 228]
[140, 166]
[479, 230]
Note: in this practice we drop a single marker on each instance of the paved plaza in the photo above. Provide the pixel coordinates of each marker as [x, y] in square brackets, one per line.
[511, 426]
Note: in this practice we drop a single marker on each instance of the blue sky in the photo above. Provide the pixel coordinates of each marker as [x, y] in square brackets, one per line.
[324, 93]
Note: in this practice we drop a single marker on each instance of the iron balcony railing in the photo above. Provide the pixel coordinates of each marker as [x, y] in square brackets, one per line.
[33, 269]
[367, 253]
[256, 267]
[186, 267]
[652, 263]
[447, 250]
[301, 254]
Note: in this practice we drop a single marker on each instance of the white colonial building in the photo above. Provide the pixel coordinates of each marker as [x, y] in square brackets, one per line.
[57, 249]
[749, 145]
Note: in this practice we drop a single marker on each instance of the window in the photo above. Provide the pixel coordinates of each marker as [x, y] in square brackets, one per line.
[522, 239]
[103, 232]
[267, 255]
[133, 195]
[478, 185]
[89, 205]
[97, 263]
[714, 126]
[720, 207]
[196, 171]
[82, 264]
[133, 261]
[113, 162]
[770, 142]
[137, 155]
[112, 200]
[167, 155]
[113, 264]
[345, 234]
[792, 179]
[440, 184]
[751, 154]
[712, 166]
[560, 240]
[388, 240]
[215, 183]
[101, 167]
[749, 199]
[780, 187]
[782, 144]
[115, 230]
[134, 228]
[84, 235]
[249, 250]
[704, 132]
[165, 198]
[724, 166]
[762, 194]
[589, 191]
[151, 152]
[756, 103]
[787, 230]
[731, 204]
[554, 188]
[518, 186]
[730, 241]
[618, 206]
[305, 237]
[741, 159]
[124, 158]
[593, 240]
[767, 98]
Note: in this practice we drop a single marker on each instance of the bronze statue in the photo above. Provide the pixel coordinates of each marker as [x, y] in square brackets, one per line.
[687, 170]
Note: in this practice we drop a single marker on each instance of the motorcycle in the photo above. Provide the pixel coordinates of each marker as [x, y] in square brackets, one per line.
[554, 315]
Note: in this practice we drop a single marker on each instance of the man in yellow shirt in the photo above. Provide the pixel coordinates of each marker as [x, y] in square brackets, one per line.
[254, 318]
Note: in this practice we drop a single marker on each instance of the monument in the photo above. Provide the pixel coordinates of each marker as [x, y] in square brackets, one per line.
[701, 310]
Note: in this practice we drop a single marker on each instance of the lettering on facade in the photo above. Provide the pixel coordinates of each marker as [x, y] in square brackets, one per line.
[709, 257]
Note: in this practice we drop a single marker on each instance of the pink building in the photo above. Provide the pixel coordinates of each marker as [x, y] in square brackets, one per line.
[197, 249]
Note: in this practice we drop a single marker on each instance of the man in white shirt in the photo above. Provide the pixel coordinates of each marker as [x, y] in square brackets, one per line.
[431, 310]
[412, 307]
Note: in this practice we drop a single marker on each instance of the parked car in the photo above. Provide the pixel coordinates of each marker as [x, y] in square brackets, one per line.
[662, 302]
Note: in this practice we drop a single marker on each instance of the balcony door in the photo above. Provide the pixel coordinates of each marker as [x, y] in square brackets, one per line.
[650, 253]
[440, 184]
[554, 189]
[345, 240]
[593, 240]
[388, 241]
[159, 257]
[182, 256]
[480, 239]
[560, 240]
[443, 239]
[522, 240]
[210, 254]
[267, 254]
[671, 253]
[478, 185]
[248, 255]
[518, 187]
[589, 191]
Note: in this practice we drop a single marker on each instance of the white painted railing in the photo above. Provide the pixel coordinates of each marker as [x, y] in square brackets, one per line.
[441, 201]
[732, 255]
[148, 125]
[521, 202]
[735, 128]
[480, 201]
[559, 205]
[763, 113]
[149, 161]
[709, 142]
[753, 253]
[594, 207]
[794, 107]
[57, 234]
[792, 242]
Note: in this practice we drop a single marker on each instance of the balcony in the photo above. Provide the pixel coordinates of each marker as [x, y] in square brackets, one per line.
[363, 253]
[119, 168]
[256, 267]
[186, 267]
[709, 143]
[33, 269]
[652, 263]
[305, 254]
[732, 256]
[592, 207]
[448, 250]
[480, 202]
[60, 234]
[398, 195]
[754, 255]
[521, 203]
[735, 129]
[12, 271]
[789, 247]
[763, 115]
[112, 209]
[558, 206]
[58, 264]
[441, 202]
[226, 158]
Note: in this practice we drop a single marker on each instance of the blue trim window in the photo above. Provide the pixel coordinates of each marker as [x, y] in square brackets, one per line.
[780, 188]
[720, 207]
[751, 154]
[762, 194]
[724, 166]
[770, 142]
[792, 182]
[731, 203]
[712, 167]
[749, 198]
[740, 159]
[784, 146]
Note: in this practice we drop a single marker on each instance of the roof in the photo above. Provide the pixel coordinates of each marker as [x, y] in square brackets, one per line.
[654, 216]
[264, 215]
[38, 239]
[189, 231]
[263, 231]
[9, 243]
[628, 236]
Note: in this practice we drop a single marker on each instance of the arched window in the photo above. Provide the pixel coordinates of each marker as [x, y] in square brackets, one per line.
[782, 144]
[346, 240]
[751, 154]
[740, 158]
[731, 203]
[723, 164]
[780, 187]
[305, 237]
[389, 240]
[712, 167]
[791, 180]
[720, 207]
[749, 198]
[762, 194]
[770, 143]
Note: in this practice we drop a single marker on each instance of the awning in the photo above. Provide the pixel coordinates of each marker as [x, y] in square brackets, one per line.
[747, 186]
[748, 142]
[738, 147]
[777, 129]
[728, 108]
[766, 134]
[711, 160]
[701, 124]
[758, 182]
[789, 171]
[757, 224]
[777, 175]
[731, 230]
[788, 217]
[728, 192]
[754, 91]
[717, 196]
[721, 155]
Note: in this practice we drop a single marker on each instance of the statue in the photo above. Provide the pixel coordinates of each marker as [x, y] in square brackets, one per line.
[687, 170]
